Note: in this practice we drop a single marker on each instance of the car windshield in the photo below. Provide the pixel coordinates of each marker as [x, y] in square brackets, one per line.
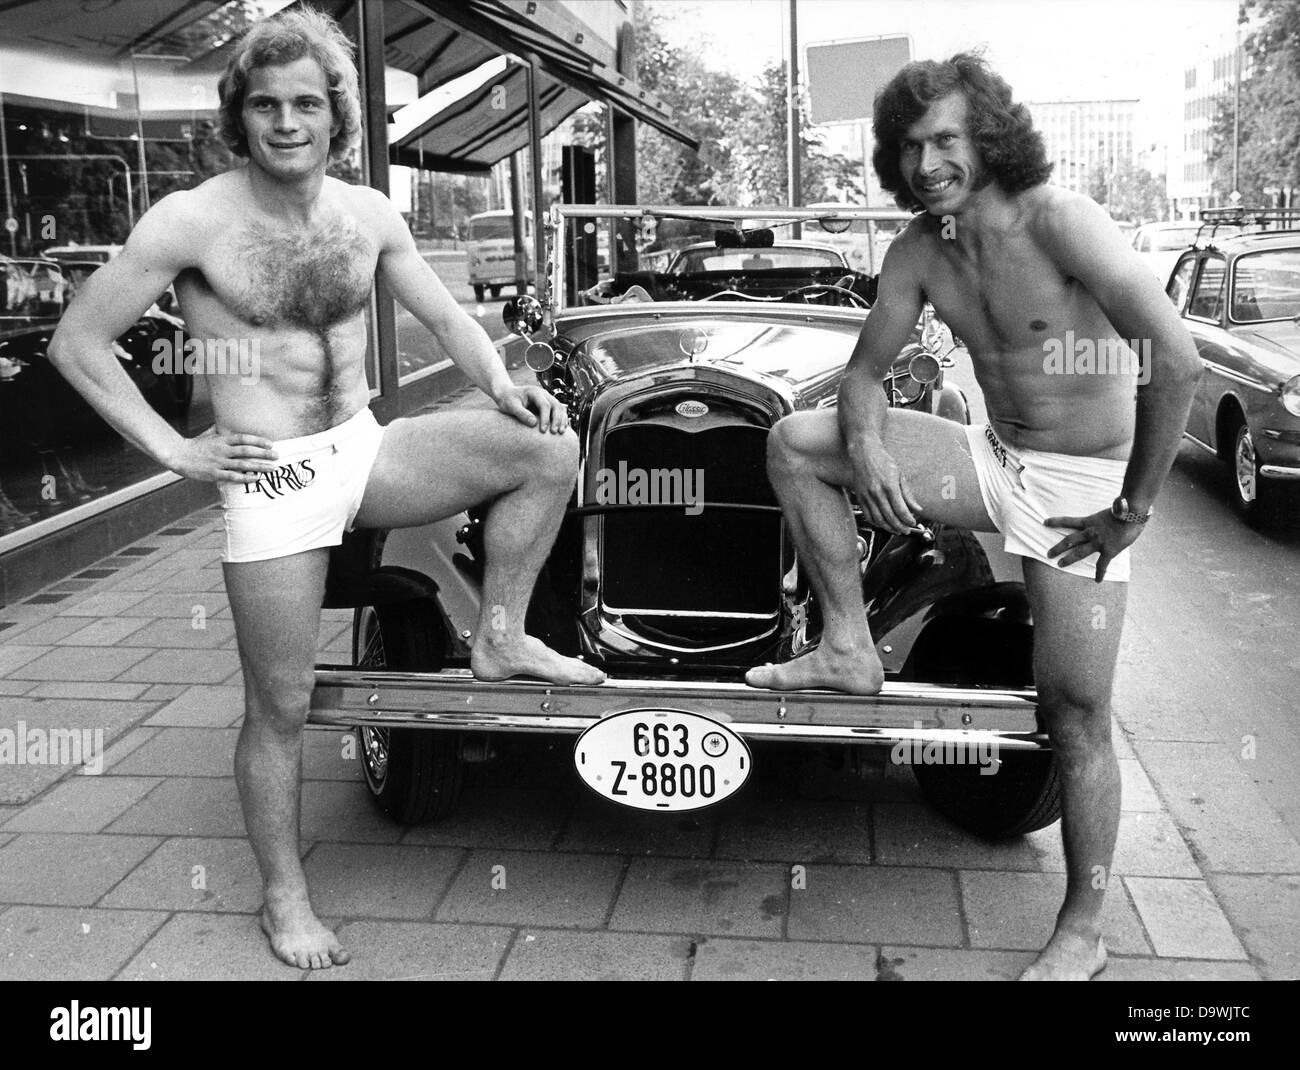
[775, 257]
[1266, 285]
[1165, 241]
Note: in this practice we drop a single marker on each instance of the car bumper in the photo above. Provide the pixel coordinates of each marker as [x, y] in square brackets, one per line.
[455, 700]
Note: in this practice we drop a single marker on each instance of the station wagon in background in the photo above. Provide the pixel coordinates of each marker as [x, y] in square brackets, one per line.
[1240, 298]
[685, 371]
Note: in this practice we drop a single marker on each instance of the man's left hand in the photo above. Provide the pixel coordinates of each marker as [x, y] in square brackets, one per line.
[1099, 534]
[522, 402]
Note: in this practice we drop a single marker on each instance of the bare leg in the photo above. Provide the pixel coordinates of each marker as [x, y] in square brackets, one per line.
[435, 466]
[276, 606]
[809, 469]
[1077, 625]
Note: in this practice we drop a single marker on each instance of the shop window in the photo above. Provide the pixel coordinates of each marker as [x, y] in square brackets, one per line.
[94, 135]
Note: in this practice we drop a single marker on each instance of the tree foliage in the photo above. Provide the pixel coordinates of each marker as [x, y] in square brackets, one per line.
[741, 129]
[1128, 192]
[1269, 132]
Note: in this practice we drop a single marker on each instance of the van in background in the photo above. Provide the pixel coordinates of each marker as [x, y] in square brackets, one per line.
[491, 248]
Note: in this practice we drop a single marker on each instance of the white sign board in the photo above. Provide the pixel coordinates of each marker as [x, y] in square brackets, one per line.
[845, 76]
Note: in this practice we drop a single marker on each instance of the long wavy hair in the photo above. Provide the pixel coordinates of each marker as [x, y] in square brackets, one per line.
[1002, 130]
[283, 38]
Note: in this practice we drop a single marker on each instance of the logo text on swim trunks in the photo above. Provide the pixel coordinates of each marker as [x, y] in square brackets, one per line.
[999, 450]
[1098, 356]
[284, 480]
[178, 355]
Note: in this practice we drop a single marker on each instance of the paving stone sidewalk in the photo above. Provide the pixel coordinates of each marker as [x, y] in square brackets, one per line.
[143, 871]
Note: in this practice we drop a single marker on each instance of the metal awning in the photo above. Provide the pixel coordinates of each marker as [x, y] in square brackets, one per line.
[469, 135]
[436, 40]
[115, 30]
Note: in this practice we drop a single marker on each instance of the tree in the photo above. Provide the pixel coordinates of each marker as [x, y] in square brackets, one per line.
[741, 129]
[1128, 192]
[1268, 136]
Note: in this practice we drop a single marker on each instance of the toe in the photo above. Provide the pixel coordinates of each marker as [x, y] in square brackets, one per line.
[340, 957]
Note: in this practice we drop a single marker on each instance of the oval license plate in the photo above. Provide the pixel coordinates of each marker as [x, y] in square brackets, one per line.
[662, 759]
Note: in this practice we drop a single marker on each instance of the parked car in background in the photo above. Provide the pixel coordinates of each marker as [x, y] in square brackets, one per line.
[1240, 299]
[674, 570]
[490, 246]
[1160, 243]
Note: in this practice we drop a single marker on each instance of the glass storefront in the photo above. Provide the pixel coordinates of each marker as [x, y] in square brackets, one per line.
[91, 139]
[105, 109]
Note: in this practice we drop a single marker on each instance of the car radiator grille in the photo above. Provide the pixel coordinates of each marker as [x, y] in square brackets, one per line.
[670, 570]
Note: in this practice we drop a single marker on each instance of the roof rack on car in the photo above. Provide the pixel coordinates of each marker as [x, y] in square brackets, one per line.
[1242, 215]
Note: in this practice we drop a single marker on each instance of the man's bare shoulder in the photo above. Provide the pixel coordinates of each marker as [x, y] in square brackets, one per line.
[362, 200]
[372, 210]
[1054, 215]
[913, 243]
[176, 231]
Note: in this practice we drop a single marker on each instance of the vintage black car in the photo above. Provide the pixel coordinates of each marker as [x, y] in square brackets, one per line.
[667, 374]
[1240, 298]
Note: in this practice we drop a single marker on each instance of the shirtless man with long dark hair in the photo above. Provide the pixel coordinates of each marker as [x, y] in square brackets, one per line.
[1067, 467]
[277, 253]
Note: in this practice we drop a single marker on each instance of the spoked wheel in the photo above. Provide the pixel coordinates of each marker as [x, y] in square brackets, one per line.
[413, 774]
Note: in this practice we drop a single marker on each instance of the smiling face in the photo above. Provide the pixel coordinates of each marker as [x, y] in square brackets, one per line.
[288, 119]
[938, 159]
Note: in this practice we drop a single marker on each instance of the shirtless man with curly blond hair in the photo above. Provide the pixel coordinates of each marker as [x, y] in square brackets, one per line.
[278, 253]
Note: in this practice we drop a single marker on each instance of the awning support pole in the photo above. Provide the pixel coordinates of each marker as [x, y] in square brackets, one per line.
[517, 225]
[535, 154]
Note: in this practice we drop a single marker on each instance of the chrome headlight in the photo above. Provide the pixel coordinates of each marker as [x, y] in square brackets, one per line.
[1291, 395]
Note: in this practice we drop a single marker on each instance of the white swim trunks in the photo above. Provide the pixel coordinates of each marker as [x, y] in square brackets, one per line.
[1022, 488]
[309, 500]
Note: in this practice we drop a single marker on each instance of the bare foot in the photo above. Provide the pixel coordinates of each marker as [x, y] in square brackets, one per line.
[297, 936]
[858, 673]
[496, 659]
[1068, 956]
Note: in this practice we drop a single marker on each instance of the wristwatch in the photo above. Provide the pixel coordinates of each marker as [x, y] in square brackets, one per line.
[1120, 511]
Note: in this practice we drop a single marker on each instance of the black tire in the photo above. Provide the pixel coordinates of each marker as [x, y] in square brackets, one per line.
[1022, 796]
[478, 293]
[1253, 496]
[414, 774]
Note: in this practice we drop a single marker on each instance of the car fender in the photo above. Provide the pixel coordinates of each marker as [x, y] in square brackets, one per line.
[950, 403]
[982, 635]
[906, 577]
[356, 579]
